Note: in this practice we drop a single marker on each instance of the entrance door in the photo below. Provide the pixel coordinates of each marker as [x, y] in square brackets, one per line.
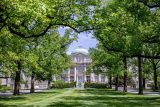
[80, 83]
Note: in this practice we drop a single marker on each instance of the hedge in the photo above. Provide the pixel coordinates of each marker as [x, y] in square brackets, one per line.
[95, 85]
[62, 84]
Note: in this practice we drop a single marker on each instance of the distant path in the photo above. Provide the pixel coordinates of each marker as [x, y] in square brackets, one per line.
[21, 92]
[132, 90]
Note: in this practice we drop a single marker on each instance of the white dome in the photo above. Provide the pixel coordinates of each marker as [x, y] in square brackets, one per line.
[80, 50]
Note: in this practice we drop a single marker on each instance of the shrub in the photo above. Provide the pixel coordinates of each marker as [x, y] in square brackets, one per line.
[62, 84]
[95, 85]
[4, 88]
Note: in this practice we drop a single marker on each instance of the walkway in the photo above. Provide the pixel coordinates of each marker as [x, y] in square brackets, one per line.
[146, 92]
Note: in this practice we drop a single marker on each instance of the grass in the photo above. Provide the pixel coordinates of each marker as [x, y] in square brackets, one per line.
[80, 98]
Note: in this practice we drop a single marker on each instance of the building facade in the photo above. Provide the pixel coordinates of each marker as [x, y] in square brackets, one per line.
[77, 73]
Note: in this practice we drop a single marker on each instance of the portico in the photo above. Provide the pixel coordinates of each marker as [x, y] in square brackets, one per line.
[78, 72]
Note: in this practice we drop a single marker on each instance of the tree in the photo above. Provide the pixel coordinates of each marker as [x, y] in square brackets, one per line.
[108, 63]
[52, 58]
[113, 35]
[123, 31]
[153, 50]
[46, 55]
[14, 52]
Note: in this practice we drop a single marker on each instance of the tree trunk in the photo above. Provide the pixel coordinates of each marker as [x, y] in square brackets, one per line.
[32, 90]
[155, 77]
[110, 81]
[49, 84]
[140, 77]
[125, 75]
[17, 79]
[144, 83]
[116, 83]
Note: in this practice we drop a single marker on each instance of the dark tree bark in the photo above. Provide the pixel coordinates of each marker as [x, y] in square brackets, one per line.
[32, 90]
[49, 84]
[144, 83]
[116, 83]
[110, 81]
[17, 79]
[155, 77]
[49, 80]
[140, 77]
[125, 75]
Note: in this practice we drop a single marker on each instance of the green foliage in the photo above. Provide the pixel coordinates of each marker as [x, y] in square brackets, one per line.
[106, 62]
[42, 57]
[33, 18]
[12, 50]
[95, 85]
[127, 27]
[52, 57]
[62, 84]
[45, 55]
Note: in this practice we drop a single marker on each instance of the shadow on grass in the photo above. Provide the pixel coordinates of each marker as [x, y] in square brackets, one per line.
[103, 98]
[106, 101]
[102, 92]
[14, 101]
[45, 92]
[1, 105]
[67, 104]
[12, 98]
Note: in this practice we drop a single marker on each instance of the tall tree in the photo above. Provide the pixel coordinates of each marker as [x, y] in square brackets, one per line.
[109, 63]
[123, 30]
[14, 52]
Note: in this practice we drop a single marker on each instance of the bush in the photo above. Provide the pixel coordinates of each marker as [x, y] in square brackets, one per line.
[62, 84]
[95, 85]
[4, 88]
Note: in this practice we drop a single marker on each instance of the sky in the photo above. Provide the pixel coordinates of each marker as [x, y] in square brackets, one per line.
[84, 40]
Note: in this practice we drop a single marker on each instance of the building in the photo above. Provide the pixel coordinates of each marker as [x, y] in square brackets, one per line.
[4, 80]
[25, 83]
[77, 73]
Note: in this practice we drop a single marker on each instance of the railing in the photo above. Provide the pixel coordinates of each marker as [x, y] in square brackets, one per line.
[89, 61]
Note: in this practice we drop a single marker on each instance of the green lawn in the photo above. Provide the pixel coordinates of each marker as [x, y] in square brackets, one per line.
[81, 98]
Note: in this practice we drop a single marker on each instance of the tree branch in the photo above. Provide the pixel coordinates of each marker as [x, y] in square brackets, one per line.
[153, 5]
[13, 31]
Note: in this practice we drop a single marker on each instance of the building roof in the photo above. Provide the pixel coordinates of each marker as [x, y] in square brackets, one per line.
[80, 50]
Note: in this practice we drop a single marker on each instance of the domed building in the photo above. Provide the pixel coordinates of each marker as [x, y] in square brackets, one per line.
[77, 73]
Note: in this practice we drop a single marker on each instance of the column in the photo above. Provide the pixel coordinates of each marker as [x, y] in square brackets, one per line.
[77, 81]
[69, 75]
[106, 79]
[93, 77]
[75, 74]
[99, 78]
[54, 78]
[85, 79]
